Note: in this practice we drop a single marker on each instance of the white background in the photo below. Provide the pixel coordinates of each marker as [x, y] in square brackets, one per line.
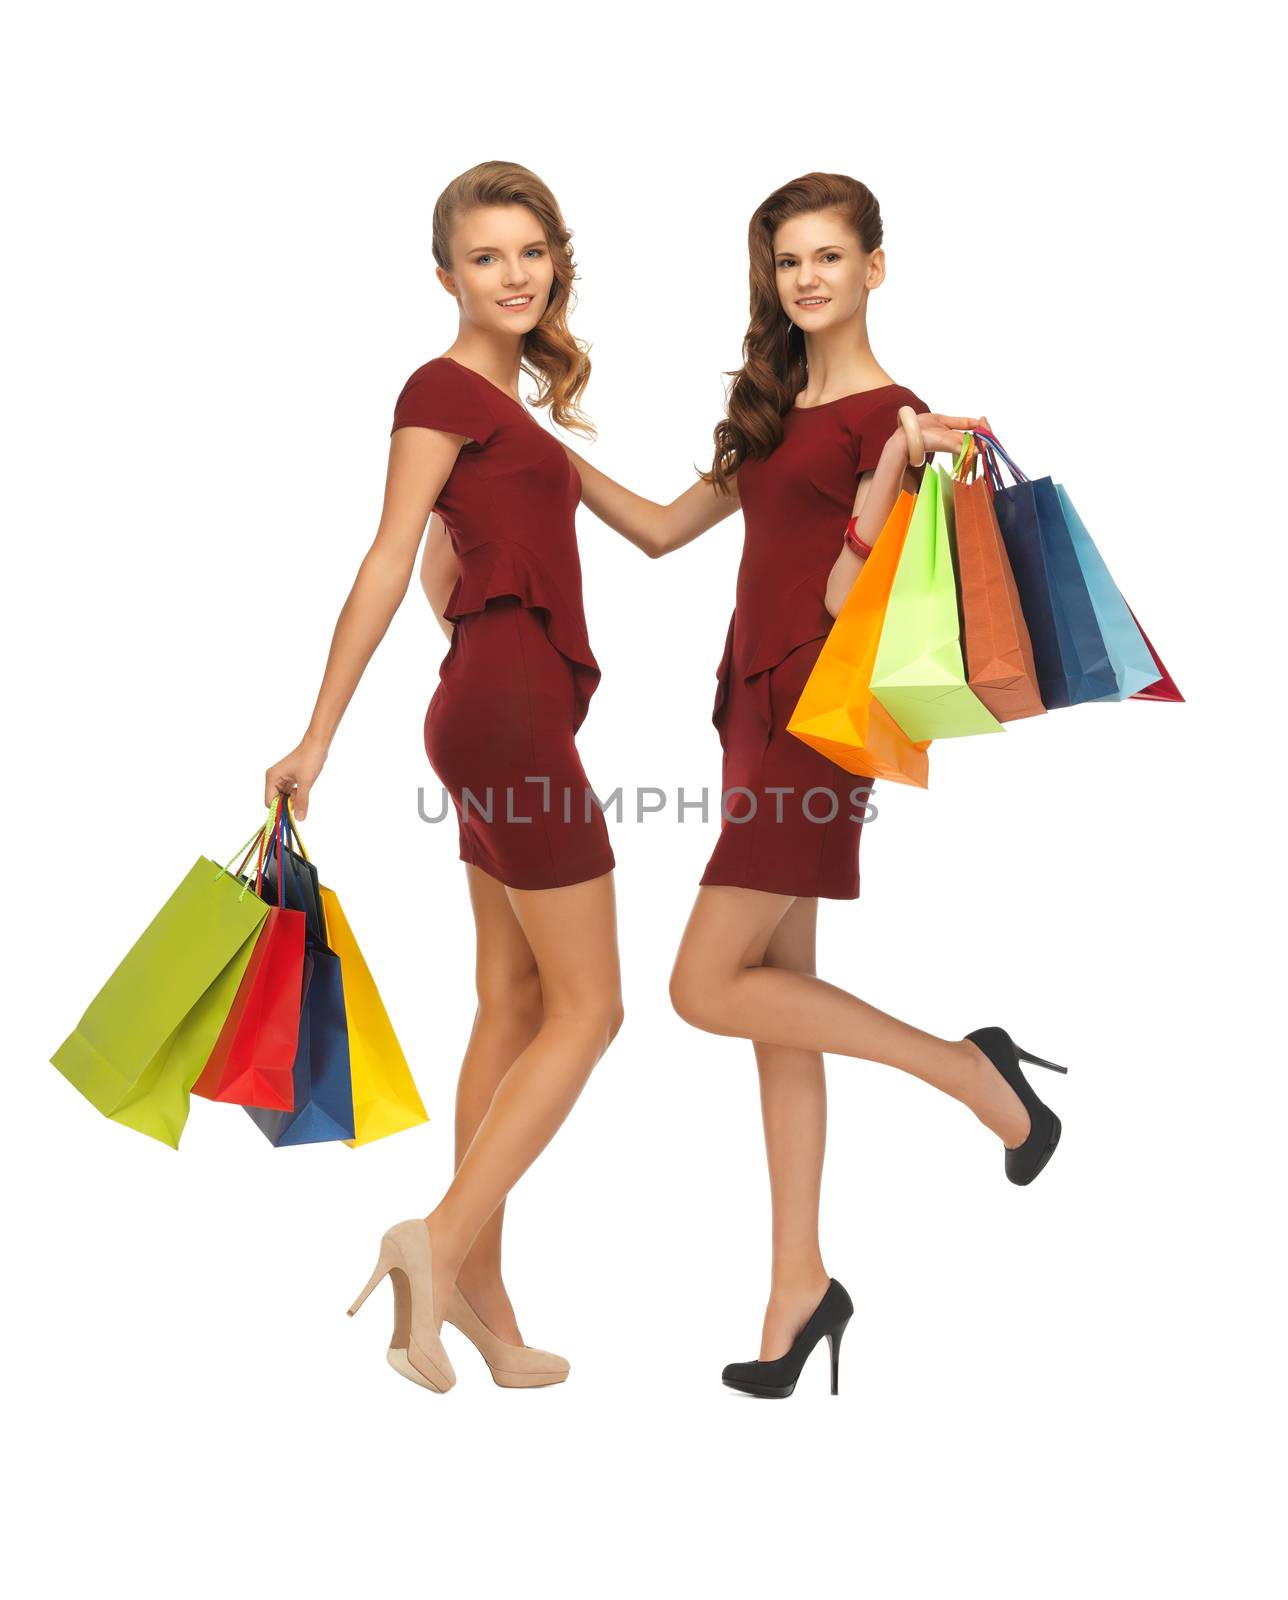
[218, 278]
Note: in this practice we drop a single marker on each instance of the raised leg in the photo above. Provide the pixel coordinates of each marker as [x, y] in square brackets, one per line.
[719, 983]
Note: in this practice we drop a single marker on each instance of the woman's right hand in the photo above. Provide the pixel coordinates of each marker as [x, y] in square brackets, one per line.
[946, 433]
[295, 775]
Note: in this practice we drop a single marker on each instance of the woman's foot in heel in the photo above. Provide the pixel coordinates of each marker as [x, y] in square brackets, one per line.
[792, 1302]
[1004, 1100]
[415, 1349]
[776, 1379]
[513, 1364]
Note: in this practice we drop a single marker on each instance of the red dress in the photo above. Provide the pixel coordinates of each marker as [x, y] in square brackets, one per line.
[518, 675]
[791, 818]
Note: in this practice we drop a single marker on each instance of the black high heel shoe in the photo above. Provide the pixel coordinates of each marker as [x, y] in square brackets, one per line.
[1024, 1162]
[776, 1379]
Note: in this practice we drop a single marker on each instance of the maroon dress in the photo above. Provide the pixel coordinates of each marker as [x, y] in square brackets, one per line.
[791, 818]
[517, 678]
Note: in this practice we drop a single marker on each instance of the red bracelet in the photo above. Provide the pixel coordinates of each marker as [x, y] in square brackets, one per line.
[859, 546]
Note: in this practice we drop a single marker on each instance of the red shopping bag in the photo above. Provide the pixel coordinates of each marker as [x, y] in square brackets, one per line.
[252, 1063]
[1165, 688]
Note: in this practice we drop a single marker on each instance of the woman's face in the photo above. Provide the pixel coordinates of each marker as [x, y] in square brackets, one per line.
[501, 268]
[821, 270]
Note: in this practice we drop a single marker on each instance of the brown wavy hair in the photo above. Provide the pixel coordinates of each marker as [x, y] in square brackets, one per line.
[773, 350]
[557, 361]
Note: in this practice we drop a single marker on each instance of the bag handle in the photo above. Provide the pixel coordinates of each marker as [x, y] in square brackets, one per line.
[286, 854]
[967, 456]
[275, 821]
[992, 449]
[295, 829]
[261, 835]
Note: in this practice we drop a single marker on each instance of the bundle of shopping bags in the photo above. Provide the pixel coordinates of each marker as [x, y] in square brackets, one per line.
[247, 987]
[981, 603]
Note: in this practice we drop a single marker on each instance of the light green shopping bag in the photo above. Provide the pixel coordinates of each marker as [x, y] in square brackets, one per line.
[919, 675]
[146, 1035]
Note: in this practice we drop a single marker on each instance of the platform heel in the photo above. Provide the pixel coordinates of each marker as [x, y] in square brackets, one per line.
[415, 1349]
[776, 1379]
[1028, 1159]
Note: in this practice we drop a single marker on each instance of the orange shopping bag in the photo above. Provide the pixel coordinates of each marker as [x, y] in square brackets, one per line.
[836, 713]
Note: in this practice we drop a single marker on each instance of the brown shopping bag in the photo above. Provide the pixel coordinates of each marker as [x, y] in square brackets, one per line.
[1000, 667]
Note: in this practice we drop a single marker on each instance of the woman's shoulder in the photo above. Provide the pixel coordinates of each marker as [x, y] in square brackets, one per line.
[872, 415]
[437, 375]
[887, 396]
[440, 395]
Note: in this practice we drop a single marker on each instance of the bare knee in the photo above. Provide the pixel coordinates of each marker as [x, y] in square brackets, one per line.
[692, 997]
[608, 1021]
[595, 1021]
[613, 1020]
[510, 999]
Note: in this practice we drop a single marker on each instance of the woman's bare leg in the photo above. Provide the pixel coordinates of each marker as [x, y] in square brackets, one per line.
[793, 1105]
[720, 985]
[506, 1021]
[572, 933]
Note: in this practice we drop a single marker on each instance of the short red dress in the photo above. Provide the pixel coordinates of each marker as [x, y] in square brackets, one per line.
[517, 678]
[791, 819]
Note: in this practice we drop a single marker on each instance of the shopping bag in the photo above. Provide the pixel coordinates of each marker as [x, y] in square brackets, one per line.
[142, 1041]
[1072, 662]
[837, 713]
[302, 889]
[253, 1060]
[385, 1098]
[323, 1089]
[1165, 688]
[919, 675]
[995, 639]
[1129, 655]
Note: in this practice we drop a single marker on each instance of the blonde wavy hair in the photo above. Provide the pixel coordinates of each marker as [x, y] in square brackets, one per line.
[552, 357]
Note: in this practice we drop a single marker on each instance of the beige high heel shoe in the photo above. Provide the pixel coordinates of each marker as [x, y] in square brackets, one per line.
[513, 1366]
[416, 1351]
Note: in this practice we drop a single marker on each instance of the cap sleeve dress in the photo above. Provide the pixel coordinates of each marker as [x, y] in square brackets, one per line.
[791, 819]
[519, 673]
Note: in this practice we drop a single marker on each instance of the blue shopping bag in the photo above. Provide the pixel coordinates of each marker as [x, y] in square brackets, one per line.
[1129, 655]
[1069, 651]
[321, 1074]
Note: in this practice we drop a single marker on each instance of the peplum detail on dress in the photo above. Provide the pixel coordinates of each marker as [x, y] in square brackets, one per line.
[801, 617]
[501, 567]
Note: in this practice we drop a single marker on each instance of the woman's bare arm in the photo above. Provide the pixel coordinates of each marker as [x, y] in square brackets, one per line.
[879, 490]
[654, 528]
[420, 461]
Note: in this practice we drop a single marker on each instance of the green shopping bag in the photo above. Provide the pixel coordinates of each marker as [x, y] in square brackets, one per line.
[148, 1032]
[919, 675]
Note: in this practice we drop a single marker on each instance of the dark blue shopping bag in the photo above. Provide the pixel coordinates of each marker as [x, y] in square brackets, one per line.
[321, 1075]
[1069, 651]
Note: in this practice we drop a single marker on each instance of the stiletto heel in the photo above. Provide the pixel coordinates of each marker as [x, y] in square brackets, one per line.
[415, 1350]
[382, 1266]
[1028, 1159]
[513, 1366]
[1038, 1061]
[834, 1345]
[776, 1379]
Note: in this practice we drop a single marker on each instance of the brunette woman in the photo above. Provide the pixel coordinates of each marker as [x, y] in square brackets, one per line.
[814, 451]
[502, 573]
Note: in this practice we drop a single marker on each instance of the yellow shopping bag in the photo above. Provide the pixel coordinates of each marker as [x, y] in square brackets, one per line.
[837, 713]
[385, 1099]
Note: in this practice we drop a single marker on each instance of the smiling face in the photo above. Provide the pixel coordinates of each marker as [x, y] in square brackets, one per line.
[502, 271]
[821, 270]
